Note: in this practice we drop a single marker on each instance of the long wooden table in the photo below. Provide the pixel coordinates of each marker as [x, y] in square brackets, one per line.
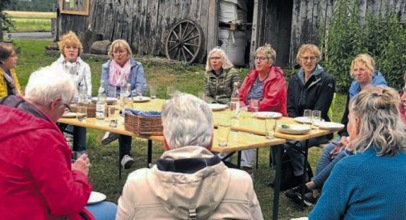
[247, 133]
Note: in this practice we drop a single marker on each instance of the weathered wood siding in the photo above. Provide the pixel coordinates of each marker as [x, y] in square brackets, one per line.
[307, 14]
[143, 23]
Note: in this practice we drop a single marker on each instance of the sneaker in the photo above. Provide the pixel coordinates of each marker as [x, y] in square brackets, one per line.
[295, 193]
[309, 199]
[109, 137]
[127, 162]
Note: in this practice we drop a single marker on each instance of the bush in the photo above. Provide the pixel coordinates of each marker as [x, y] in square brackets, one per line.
[383, 37]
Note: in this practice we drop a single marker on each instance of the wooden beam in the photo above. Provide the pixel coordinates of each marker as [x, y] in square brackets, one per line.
[212, 30]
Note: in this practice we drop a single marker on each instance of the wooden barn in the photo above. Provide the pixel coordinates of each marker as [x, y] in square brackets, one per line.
[187, 29]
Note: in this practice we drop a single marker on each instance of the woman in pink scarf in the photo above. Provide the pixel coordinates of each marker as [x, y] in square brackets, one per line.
[121, 70]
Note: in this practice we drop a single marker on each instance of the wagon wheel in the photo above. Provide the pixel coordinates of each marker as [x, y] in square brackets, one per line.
[184, 41]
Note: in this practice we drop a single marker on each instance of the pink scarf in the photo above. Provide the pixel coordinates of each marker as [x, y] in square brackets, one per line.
[118, 76]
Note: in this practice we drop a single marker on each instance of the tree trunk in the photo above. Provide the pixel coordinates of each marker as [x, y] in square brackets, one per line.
[1, 30]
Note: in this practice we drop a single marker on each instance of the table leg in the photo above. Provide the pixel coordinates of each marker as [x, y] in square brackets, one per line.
[239, 160]
[277, 186]
[304, 173]
[149, 160]
[75, 146]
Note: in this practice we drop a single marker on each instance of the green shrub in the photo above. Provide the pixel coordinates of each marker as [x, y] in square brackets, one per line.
[382, 36]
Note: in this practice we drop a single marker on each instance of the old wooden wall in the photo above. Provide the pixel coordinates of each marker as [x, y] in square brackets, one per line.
[307, 14]
[143, 23]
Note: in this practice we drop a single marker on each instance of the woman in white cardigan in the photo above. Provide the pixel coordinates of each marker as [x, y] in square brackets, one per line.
[70, 62]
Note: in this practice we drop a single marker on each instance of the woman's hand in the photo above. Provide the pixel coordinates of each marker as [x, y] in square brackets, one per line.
[82, 164]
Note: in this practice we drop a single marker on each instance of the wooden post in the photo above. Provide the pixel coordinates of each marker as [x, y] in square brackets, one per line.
[255, 31]
[212, 30]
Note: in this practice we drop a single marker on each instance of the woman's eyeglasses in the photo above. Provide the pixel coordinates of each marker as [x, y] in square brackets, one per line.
[308, 58]
[67, 106]
[261, 58]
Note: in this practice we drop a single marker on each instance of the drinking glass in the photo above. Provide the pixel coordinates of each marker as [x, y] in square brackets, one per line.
[223, 133]
[112, 114]
[270, 126]
[316, 117]
[254, 105]
[307, 116]
[112, 91]
[152, 92]
[81, 113]
[128, 102]
[170, 91]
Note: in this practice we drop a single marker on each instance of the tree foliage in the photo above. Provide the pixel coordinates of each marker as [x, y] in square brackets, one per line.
[382, 36]
[33, 5]
[5, 22]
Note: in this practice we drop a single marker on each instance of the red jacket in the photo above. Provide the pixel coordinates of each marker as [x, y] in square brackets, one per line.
[36, 178]
[274, 91]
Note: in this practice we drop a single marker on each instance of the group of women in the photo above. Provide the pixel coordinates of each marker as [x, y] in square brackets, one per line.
[372, 129]
[373, 135]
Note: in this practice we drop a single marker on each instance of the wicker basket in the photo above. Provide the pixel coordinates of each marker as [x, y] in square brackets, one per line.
[91, 110]
[143, 125]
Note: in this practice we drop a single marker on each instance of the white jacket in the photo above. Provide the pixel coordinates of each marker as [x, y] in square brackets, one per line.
[189, 180]
[82, 76]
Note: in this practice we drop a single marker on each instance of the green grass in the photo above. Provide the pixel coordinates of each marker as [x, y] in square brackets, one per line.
[31, 21]
[104, 173]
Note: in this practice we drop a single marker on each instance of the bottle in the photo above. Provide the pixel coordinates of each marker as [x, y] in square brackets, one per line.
[101, 102]
[235, 102]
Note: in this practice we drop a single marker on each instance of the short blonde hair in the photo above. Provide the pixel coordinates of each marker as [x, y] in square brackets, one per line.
[366, 60]
[308, 48]
[69, 39]
[268, 51]
[380, 122]
[120, 43]
[226, 62]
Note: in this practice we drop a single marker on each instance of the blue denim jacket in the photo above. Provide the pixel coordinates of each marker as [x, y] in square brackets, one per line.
[136, 79]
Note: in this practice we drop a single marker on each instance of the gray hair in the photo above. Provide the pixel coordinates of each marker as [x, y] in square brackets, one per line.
[49, 83]
[187, 121]
[380, 122]
[226, 62]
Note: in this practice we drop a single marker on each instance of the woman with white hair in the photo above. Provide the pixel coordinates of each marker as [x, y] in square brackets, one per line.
[188, 181]
[35, 160]
[219, 78]
[369, 184]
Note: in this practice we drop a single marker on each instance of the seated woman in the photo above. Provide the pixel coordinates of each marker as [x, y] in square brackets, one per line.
[8, 80]
[219, 78]
[122, 66]
[266, 87]
[312, 88]
[364, 74]
[369, 184]
[70, 62]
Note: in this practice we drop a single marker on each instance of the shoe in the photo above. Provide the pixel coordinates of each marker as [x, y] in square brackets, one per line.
[109, 137]
[309, 199]
[295, 193]
[127, 162]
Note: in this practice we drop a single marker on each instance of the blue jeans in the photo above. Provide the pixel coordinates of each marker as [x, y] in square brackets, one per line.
[297, 159]
[124, 142]
[103, 210]
[326, 165]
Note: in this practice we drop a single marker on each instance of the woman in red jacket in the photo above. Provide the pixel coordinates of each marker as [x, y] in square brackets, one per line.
[266, 87]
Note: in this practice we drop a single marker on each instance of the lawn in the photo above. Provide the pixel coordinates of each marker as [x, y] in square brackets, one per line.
[104, 173]
[25, 21]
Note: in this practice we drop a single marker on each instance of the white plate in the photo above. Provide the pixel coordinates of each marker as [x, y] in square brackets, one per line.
[216, 107]
[141, 99]
[109, 100]
[96, 197]
[330, 125]
[69, 115]
[295, 129]
[303, 120]
[267, 114]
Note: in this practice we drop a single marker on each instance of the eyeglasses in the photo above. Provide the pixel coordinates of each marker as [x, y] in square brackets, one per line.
[215, 58]
[309, 58]
[67, 106]
[261, 58]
